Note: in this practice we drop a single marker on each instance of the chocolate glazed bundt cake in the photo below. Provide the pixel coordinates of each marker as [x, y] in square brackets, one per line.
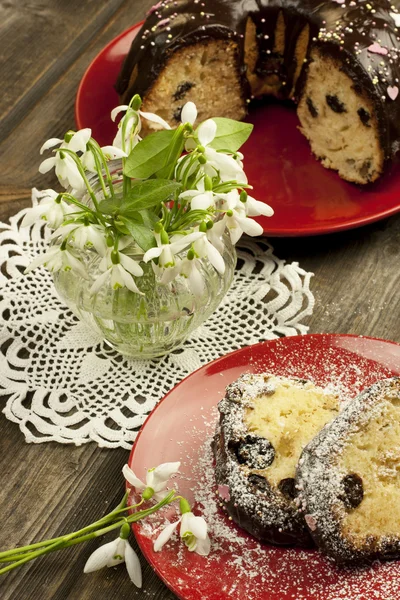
[265, 422]
[338, 59]
[349, 479]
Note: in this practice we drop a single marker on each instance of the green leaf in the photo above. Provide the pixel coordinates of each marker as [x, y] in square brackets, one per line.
[174, 152]
[146, 194]
[149, 217]
[230, 134]
[110, 206]
[142, 235]
[150, 155]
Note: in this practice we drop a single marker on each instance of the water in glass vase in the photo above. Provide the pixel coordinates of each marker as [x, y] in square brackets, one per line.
[150, 324]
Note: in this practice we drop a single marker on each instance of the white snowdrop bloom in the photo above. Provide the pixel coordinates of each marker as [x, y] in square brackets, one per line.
[189, 113]
[56, 259]
[215, 234]
[255, 208]
[110, 152]
[226, 166]
[193, 531]
[190, 269]
[47, 208]
[153, 118]
[236, 218]
[115, 553]
[119, 273]
[83, 235]
[156, 479]
[204, 248]
[165, 252]
[66, 168]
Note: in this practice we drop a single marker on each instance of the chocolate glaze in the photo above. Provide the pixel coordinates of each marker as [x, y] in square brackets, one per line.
[342, 30]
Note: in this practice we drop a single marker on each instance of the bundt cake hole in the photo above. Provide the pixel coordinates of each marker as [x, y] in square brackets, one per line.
[373, 454]
[341, 126]
[289, 419]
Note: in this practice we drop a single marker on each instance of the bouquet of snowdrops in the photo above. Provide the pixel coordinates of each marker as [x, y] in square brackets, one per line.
[183, 188]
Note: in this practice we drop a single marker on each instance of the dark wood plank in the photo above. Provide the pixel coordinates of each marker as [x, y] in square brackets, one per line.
[40, 41]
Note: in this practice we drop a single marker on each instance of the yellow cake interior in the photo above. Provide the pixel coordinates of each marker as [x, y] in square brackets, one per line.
[373, 453]
[289, 418]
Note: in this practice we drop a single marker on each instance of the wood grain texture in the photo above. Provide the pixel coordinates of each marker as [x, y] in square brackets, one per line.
[49, 489]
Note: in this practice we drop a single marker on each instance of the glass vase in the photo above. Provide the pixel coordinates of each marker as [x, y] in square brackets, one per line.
[155, 323]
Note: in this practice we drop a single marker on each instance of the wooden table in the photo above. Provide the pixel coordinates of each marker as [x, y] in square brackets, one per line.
[49, 489]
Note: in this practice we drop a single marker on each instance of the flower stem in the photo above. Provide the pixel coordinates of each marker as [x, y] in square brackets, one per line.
[97, 150]
[20, 556]
[83, 175]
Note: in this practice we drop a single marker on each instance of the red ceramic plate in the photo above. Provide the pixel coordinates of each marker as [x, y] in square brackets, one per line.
[181, 428]
[307, 199]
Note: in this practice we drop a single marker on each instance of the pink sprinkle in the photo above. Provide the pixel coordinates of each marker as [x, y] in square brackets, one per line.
[163, 22]
[376, 48]
[154, 8]
[393, 92]
[311, 522]
[339, 1]
[223, 491]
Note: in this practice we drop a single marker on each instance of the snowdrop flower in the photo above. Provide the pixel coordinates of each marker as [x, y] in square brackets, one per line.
[49, 206]
[58, 259]
[128, 130]
[120, 268]
[193, 531]
[190, 269]
[236, 218]
[165, 276]
[166, 248]
[84, 235]
[204, 248]
[255, 208]
[214, 235]
[156, 480]
[110, 153]
[66, 168]
[189, 113]
[114, 553]
[226, 166]
[130, 125]
[203, 197]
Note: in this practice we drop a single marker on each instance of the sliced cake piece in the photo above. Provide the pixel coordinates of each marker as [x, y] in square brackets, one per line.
[265, 422]
[349, 477]
[340, 120]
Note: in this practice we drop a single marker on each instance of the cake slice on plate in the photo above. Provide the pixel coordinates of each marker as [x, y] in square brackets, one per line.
[349, 479]
[265, 422]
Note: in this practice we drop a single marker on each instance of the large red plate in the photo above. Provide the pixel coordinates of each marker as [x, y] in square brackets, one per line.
[181, 427]
[307, 198]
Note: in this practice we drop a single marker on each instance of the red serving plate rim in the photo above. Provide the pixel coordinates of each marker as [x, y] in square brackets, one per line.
[96, 59]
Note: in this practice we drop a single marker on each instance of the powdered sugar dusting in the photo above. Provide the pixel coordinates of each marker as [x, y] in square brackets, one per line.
[239, 567]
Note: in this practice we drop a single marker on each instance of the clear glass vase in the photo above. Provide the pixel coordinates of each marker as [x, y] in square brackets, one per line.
[149, 325]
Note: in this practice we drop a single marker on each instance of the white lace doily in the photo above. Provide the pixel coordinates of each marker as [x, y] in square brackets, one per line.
[61, 382]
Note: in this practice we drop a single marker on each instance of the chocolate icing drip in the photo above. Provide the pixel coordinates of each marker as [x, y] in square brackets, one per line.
[361, 34]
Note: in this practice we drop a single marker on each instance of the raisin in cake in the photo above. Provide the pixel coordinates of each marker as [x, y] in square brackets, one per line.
[265, 422]
[349, 477]
[339, 59]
